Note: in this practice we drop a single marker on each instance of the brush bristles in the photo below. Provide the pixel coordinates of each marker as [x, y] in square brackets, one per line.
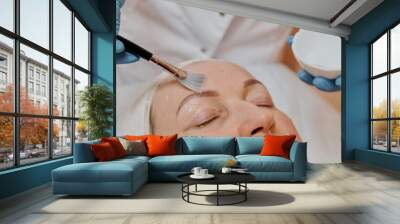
[193, 81]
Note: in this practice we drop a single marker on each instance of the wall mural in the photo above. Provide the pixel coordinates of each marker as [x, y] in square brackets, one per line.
[260, 77]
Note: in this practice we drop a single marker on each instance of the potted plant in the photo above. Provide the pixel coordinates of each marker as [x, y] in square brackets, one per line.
[96, 103]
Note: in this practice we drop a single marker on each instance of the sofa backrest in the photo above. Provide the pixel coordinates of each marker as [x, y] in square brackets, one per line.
[249, 145]
[206, 145]
[83, 152]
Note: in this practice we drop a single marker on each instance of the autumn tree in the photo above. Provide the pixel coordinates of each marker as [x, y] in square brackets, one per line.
[33, 131]
[380, 127]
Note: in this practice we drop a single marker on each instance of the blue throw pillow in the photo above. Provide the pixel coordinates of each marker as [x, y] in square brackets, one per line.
[206, 145]
[249, 145]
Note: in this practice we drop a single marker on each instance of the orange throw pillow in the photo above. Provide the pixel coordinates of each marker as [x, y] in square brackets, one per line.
[116, 145]
[103, 152]
[161, 145]
[277, 145]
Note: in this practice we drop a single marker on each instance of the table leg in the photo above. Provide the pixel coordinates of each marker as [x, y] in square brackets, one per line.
[188, 189]
[217, 194]
[182, 189]
[245, 193]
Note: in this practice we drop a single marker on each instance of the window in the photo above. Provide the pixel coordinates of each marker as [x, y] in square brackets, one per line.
[34, 21]
[7, 14]
[38, 73]
[44, 91]
[30, 72]
[3, 78]
[81, 45]
[385, 91]
[30, 87]
[62, 30]
[6, 73]
[3, 61]
[40, 129]
[81, 81]
[37, 90]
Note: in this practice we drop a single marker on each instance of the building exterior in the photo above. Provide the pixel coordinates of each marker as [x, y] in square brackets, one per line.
[34, 79]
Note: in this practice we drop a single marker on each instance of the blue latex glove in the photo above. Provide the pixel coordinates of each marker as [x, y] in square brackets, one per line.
[122, 57]
[320, 82]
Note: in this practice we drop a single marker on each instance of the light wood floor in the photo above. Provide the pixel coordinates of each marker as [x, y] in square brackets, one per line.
[351, 181]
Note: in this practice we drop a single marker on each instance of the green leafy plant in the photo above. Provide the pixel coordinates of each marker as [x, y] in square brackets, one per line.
[96, 102]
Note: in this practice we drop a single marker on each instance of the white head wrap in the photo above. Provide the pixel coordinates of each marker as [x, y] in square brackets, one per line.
[136, 119]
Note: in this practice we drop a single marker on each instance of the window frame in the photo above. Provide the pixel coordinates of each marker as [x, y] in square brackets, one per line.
[16, 115]
[388, 74]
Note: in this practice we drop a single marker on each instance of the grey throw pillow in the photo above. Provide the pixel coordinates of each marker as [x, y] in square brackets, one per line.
[137, 147]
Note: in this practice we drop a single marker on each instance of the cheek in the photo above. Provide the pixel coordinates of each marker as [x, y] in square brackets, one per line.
[162, 118]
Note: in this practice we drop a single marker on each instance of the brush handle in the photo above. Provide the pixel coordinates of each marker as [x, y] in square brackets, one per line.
[135, 49]
[147, 55]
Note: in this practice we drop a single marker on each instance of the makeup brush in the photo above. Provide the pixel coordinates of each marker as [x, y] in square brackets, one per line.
[188, 79]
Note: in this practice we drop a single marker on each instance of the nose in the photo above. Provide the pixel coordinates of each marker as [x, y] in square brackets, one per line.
[256, 124]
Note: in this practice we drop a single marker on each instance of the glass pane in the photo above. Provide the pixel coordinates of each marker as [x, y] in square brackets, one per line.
[6, 74]
[81, 45]
[7, 14]
[395, 47]
[379, 56]
[81, 131]
[62, 89]
[62, 29]
[62, 138]
[379, 135]
[395, 136]
[35, 21]
[34, 72]
[6, 142]
[379, 97]
[81, 81]
[395, 94]
[33, 139]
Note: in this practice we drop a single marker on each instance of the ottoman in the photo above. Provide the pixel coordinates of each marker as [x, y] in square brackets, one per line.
[119, 177]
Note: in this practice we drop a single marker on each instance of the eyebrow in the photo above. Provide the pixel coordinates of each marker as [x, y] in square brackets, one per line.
[189, 97]
[250, 82]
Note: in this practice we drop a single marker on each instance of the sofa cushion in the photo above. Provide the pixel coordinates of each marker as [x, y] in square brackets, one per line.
[103, 152]
[249, 145]
[112, 171]
[185, 163]
[277, 145]
[159, 145]
[134, 147]
[116, 145]
[131, 159]
[257, 163]
[206, 145]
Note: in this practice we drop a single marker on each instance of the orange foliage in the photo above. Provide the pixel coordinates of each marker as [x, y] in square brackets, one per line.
[34, 130]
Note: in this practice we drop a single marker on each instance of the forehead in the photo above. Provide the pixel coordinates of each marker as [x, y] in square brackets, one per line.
[223, 77]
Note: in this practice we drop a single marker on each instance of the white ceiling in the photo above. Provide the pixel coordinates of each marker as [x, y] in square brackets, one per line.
[314, 15]
[321, 9]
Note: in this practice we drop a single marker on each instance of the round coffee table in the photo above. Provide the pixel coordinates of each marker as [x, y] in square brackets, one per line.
[238, 179]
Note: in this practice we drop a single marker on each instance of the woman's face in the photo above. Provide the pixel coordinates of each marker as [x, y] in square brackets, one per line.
[232, 103]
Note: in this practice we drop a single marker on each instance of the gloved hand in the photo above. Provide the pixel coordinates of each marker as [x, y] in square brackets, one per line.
[320, 82]
[122, 57]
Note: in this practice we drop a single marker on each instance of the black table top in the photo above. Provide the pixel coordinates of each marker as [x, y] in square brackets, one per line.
[220, 178]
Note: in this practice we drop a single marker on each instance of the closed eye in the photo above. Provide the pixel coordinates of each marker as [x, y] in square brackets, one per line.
[260, 101]
[207, 122]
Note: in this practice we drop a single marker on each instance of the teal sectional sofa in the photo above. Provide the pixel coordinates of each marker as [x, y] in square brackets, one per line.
[125, 176]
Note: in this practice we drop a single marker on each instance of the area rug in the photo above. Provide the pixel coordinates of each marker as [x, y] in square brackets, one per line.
[166, 198]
